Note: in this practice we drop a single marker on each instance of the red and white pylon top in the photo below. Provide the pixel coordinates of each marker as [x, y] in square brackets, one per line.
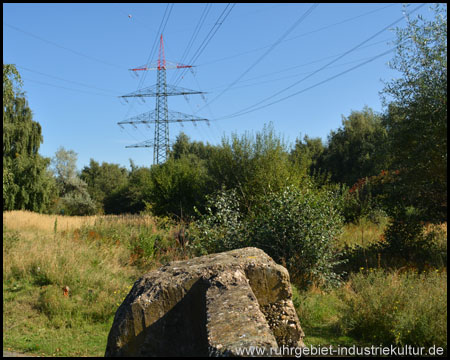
[162, 63]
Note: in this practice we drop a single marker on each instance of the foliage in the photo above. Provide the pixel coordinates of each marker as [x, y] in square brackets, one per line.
[307, 154]
[352, 150]
[297, 228]
[417, 117]
[253, 164]
[27, 183]
[74, 197]
[397, 308]
[103, 180]
[178, 186]
[222, 227]
[184, 147]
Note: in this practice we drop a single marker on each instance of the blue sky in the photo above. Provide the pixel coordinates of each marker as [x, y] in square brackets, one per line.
[74, 61]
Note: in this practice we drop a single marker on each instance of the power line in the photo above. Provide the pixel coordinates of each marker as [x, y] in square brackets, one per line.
[325, 66]
[66, 88]
[63, 47]
[70, 81]
[293, 26]
[297, 66]
[295, 75]
[208, 38]
[151, 55]
[160, 31]
[295, 37]
[310, 87]
[195, 33]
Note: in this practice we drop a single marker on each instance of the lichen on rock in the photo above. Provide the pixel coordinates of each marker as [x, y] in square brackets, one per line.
[212, 305]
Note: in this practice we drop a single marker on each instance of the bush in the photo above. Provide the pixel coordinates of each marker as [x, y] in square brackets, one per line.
[177, 186]
[221, 228]
[407, 238]
[297, 228]
[397, 308]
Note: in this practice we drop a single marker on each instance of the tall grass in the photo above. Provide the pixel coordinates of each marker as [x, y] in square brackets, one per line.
[401, 308]
[98, 258]
[21, 220]
[363, 233]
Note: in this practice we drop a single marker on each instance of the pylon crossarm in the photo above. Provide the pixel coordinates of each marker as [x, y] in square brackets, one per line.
[154, 66]
[154, 91]
[147, 143]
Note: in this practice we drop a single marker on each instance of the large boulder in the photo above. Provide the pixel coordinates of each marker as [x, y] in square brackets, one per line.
[214, 305]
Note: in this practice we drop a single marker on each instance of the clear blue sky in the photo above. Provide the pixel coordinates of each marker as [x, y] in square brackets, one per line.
[74, 60]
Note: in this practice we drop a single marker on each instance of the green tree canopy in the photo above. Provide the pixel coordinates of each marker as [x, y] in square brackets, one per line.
[75, 199]
[103, 180]
[253, 164]
[27, 182]
[417, 116]
[352, 150]
[307, 154]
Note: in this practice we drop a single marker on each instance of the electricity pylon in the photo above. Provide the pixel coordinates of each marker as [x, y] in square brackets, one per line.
[161, 117]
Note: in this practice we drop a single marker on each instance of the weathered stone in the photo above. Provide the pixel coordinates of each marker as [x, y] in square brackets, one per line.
[207, 306]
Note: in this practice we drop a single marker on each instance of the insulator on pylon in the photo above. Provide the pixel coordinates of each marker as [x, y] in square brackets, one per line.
[186, 98]
[207, 123]
[133, 74]
[203, 97]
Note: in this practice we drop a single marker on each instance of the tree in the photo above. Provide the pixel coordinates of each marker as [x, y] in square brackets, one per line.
[103, 180]
[307, 154]
[27, 182]
[352, 151]
[75, 199]
[253, 164]
[416, 118]
[133, 196]
[179, 186]
[183, 146]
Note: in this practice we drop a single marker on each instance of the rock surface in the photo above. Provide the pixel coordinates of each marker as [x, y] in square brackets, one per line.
[207, 306]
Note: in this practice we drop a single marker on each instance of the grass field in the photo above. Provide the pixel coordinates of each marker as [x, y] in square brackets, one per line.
[100, 257]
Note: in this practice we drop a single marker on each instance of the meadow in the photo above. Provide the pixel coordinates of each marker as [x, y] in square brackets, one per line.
[100, 257]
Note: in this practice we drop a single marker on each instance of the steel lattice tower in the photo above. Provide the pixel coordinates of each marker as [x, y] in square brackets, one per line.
[161, 117]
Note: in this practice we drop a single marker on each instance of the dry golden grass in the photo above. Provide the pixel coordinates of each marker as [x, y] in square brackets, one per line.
[93, 261]
[364, 233]
[62, 260]
[27, 220]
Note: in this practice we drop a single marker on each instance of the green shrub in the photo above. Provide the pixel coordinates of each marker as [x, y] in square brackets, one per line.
[397, 308]
[407, 239]
[221, 228]
[297, 228]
